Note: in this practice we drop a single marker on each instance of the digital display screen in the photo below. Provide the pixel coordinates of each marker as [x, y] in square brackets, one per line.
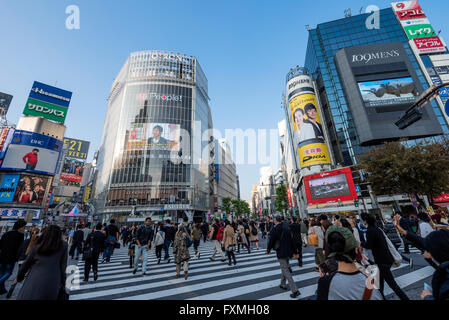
[328, 187]
[388, 92]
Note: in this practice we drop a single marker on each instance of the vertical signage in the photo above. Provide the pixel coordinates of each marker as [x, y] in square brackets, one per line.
[308, 131]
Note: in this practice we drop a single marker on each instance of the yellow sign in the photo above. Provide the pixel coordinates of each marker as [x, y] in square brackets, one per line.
[309, 134]
[86, 194]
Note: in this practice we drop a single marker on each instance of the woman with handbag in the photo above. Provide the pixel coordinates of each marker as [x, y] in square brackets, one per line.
[181, 251]
[316, 239]
[229, 242]
[93, 246]
[241, 238]
[46, 264]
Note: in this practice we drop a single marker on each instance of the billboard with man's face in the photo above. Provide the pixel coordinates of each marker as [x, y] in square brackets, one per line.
[32, 152]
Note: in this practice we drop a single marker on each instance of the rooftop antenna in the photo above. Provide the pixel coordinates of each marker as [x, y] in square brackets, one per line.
[361, 9]
[348, 13]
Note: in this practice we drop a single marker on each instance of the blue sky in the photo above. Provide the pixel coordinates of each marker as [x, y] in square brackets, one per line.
[245, 48]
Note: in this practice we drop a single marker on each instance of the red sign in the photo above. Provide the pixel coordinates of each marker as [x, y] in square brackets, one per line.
[409, 10]
[429, 45]
[330, 186]
[71, 177]
[442, 198]
[289, 195]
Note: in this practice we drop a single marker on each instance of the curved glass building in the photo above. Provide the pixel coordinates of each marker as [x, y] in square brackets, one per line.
[155, 152]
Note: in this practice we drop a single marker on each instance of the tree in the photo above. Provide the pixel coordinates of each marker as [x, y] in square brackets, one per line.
[422, 169]
[281, 201]
[226, 205]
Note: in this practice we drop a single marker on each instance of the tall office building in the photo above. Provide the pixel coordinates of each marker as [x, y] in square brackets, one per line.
[152, 159]
[355, 118]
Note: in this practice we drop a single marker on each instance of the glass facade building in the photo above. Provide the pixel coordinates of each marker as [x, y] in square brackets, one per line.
[152, 158]
[323, 43]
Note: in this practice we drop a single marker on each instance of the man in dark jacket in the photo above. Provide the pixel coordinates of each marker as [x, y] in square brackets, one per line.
[205, 230]
[112, 232]
[144, 236]
[375, 240]
[296, 233]
[262, 226]
[170, 232]
[281, 240]
[95, 242]
[10, 245]
[405, 224]
[78, 240]
[269, 225]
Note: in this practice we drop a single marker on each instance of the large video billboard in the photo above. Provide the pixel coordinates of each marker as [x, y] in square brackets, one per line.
[330, 186]
[74, 161]
[309, 136]
[77, 149]
[32, 152]
[154, 137]
[380, 83]
[48, 102]
[72, 170]
[388, 92]
[5, 101]
[23, 188]
[8, 186]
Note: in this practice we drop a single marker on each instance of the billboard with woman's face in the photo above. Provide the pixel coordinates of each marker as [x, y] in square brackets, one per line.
[31, 189]
[309, 136]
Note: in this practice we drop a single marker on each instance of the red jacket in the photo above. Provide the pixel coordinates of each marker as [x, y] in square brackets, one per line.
[32, 159]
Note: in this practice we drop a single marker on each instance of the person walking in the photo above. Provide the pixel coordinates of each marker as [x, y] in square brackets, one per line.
[262, 227]
[111, 239]
[295, 228]
[395, 238]
[196, 237]
[247, 232]
[93, 247]
[144, 236]
[229, 242]
[405, 224]
[282, 241]
[315, 229]
[254, 235]
[159, 242]
[347, 283]
[241, 239]
[303, 228]
[424, 227]
[45, 268]
[71, 234]
[181, 253]
[216, 235]
[10, 244]
[169, 231]
[375, 240]
[77, 245]
[132, 246]
[205, 230]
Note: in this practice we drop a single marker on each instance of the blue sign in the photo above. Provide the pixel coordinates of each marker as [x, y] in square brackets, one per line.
[32, 152]
[12, 213]
[8, 187]
[446, 108]
[53, 95]
[217, 172]
[357, 189]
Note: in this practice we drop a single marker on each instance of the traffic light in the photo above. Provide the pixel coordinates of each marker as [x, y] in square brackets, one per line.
[356, 203]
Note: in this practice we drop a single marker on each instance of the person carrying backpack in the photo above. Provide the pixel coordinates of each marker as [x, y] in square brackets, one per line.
[196, 236]
[254, 235]
[216, 235]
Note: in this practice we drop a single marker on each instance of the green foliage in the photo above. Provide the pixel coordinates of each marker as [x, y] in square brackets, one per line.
[422, 169]
[240, 207]
[281, 201]
[226, 205]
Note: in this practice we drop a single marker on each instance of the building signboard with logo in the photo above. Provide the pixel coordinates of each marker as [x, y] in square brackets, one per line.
[17, 213]
[32, 152]
[308, 133]
[5, 101]
[417, 27]
[48, 102]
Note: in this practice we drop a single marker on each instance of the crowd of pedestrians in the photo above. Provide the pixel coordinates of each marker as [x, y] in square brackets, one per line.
[344, 248]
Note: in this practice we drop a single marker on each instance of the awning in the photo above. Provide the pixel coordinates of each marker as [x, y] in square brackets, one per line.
[442, 204]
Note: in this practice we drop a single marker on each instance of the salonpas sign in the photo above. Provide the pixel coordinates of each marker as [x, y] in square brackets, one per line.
[48, 102]
[46, 110]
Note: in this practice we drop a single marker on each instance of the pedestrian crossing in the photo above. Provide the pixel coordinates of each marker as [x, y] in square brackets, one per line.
[255, 277]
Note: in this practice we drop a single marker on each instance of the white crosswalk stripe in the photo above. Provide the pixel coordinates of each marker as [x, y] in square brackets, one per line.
[256, 276]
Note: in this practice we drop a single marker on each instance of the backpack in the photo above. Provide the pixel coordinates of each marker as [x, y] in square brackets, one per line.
[189, 242]
[254, 232]
[220, 233]
[246, 229]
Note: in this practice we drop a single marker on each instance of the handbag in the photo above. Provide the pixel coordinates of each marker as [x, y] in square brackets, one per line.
[394, 253]
[312, 239]
[189, 242]
[87, 254]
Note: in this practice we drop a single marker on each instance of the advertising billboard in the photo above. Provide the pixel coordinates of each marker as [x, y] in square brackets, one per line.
[72, 171]
[419, 31]
[78, 149]
[16, 213]
[408, 10]
[8, 186]
[154, 137]
[6, 135]
[32, 152]
[48, 102]
[5, 101]
[388, 92]
[309, 136]
[330, 186]
[31, 189]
